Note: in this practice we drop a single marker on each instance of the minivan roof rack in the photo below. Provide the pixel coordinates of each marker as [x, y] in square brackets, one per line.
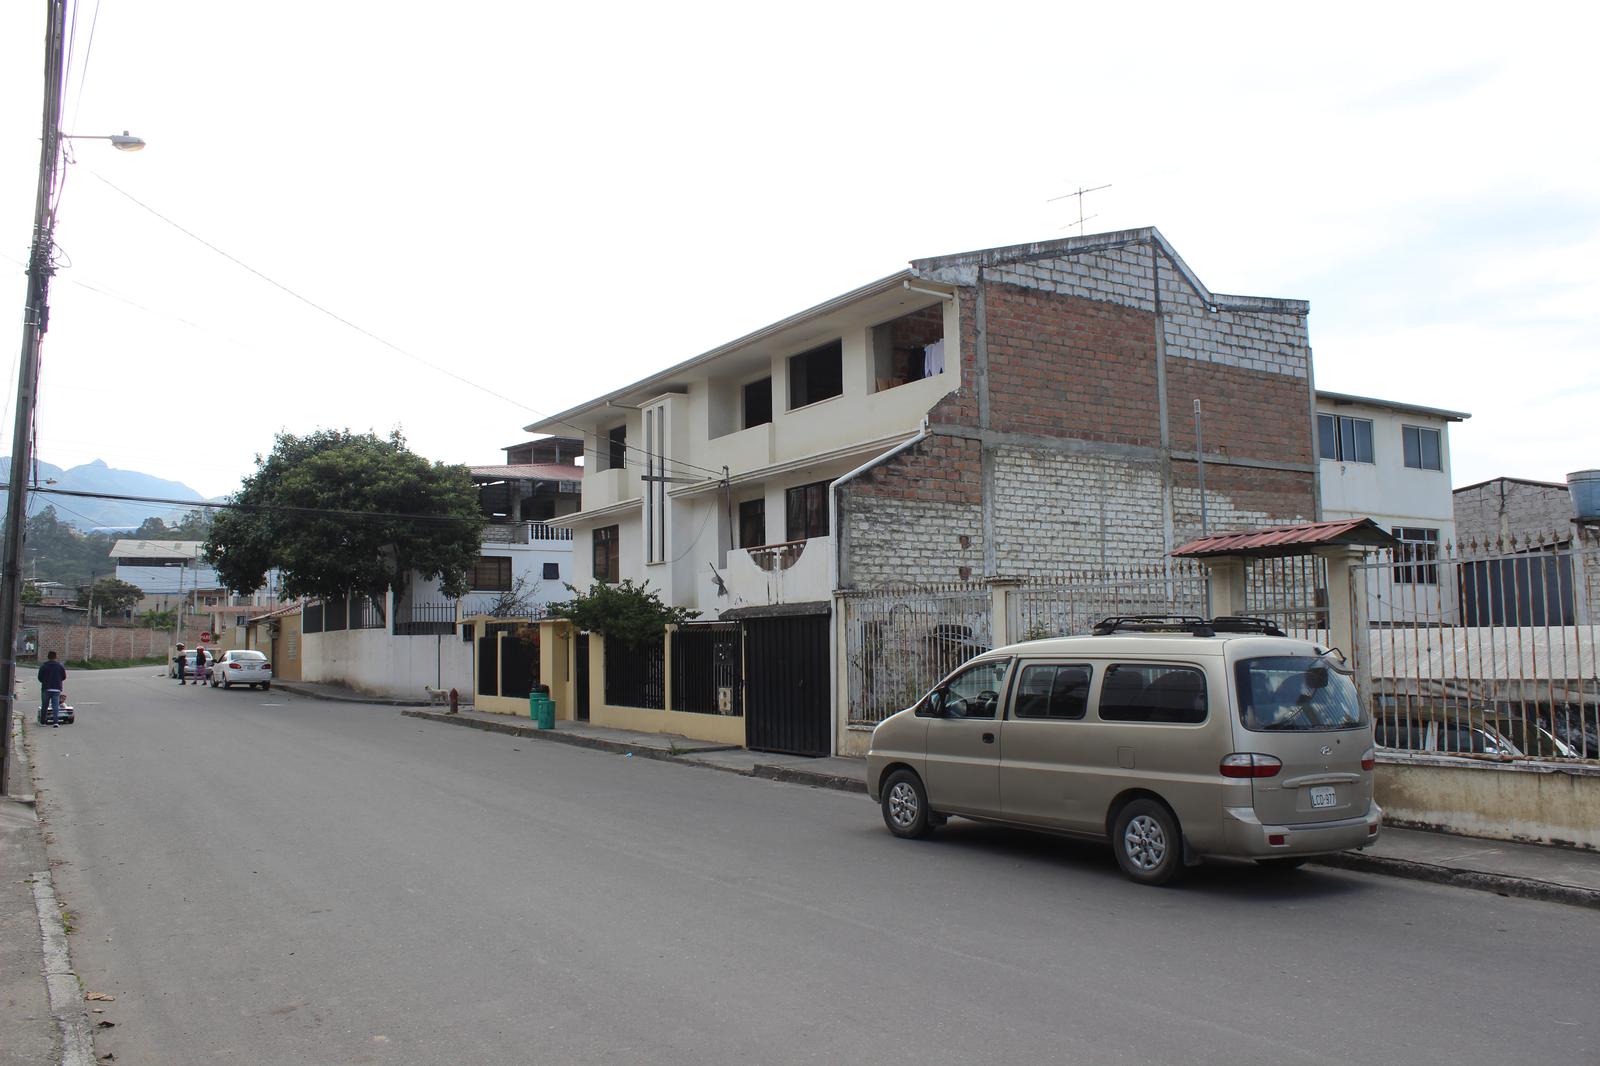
[1185, 623]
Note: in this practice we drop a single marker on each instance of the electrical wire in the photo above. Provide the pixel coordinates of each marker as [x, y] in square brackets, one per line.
[251, 508]
[387, 343]
[83, 73]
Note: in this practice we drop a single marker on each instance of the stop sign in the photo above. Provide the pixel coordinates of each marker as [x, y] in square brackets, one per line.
[205, 638]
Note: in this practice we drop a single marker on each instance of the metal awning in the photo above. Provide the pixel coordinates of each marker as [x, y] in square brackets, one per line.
[1272, 541]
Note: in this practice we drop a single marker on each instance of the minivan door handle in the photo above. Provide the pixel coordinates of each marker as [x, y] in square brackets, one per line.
[988, 738]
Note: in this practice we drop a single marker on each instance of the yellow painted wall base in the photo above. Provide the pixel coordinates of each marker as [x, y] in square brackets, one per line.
[1537, 805]
[501, 705]
[715, 728]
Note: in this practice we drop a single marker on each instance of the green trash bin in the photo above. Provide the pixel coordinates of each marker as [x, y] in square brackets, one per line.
[542, 709]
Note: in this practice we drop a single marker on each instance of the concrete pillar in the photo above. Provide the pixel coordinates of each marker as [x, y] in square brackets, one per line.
[1225, 583]
[555, 664]
[667, 638]
[1000, 627]
[597, 673]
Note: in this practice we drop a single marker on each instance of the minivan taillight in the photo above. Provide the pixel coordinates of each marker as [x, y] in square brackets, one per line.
[1369, 759]
[1246, 764]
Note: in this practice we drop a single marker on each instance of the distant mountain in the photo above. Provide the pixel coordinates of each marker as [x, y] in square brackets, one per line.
[87, 514]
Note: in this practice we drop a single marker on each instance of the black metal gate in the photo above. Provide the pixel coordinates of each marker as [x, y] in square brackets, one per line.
[708, 668]
[580, 676]
[786, 685]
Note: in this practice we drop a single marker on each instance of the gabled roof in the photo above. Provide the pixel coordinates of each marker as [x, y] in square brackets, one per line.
[1273, 541]
[530, 472]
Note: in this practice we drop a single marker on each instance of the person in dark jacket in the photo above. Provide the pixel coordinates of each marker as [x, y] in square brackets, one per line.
[182, 662]
[52, 676]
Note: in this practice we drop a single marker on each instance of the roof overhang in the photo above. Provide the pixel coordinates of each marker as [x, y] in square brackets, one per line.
[1343, 399]
[1275, 541]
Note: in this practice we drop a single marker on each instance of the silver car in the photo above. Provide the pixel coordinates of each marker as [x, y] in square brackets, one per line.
[1174, 745]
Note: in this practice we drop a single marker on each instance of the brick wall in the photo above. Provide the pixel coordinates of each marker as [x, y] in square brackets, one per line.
[1506, 508]
[105, 642]
[1073, 436]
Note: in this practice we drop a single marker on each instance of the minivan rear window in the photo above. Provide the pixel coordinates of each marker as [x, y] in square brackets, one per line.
[1288, 693]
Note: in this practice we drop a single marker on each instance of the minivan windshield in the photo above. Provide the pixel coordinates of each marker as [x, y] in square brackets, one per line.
[1280, 693]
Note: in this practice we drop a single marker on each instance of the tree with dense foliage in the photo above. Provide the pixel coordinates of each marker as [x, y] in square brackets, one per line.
[195, 525]
[337, 512]
[631, 614]
[110, 595]
[158, 619]
[56, 551]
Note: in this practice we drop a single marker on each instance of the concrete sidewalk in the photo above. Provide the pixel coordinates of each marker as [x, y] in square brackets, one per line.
[1529, 871]
[344, 694]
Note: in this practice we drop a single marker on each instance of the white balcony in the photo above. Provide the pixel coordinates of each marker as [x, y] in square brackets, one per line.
[528, 533]
[606, 487]
[795, 572]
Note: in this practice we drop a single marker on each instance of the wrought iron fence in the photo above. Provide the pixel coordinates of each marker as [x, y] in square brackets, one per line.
[1485, 650]
[901, 641]
[1291, 592]
[366, 613]
[636, 674]
[425, 619]
[1073, 603]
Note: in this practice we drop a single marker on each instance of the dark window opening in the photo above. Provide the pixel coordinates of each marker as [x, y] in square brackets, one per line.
[908, 349]
[552, 571]
[807, 511]
[816, 375]
[608, 554]
[758, 403]
[617, 448]
[1165, 694]
[752, 523]
[1348, 440]
[1421, 447]
[491, 573]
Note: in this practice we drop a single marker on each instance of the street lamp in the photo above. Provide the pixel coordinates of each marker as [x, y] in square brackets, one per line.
[122, 142]
[35, 320]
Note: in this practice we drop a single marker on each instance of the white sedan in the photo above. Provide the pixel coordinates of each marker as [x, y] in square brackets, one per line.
[241, 668]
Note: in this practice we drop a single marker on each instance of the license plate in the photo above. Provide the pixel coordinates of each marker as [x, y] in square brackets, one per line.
[1324, 796]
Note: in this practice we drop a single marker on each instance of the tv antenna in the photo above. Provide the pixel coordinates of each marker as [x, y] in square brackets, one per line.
[1080, 193]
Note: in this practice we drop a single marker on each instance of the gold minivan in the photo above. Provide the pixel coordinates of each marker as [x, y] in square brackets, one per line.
[1176, 740]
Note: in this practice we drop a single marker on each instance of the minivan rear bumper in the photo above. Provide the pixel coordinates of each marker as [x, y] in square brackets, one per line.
[1246, 837]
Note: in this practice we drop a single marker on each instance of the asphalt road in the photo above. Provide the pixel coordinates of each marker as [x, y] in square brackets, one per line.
[261, 878]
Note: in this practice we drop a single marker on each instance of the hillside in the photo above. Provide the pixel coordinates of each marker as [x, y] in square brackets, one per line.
[86, 514]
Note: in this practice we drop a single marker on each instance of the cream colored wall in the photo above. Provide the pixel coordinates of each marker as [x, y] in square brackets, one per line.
[1501, 802]
[714, 728]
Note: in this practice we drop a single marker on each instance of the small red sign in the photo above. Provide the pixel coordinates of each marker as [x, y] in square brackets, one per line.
[205, 638]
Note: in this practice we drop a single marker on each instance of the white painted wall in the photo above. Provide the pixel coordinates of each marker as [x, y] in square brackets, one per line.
[377, 662]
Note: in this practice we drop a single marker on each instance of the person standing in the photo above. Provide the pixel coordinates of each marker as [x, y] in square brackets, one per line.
[52, 675]
[200, 665]
[182, 660]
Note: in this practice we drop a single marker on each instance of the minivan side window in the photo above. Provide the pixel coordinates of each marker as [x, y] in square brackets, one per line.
[974, 692]
[1052, 691]
[1134, 692]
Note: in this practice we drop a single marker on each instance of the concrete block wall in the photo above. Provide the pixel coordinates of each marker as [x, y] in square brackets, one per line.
[1505, 508]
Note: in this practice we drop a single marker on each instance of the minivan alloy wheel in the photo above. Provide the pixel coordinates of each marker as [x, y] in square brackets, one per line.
[903, 804]
[1145, 841]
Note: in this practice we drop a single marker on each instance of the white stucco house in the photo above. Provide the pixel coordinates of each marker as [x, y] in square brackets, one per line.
[1390, 462]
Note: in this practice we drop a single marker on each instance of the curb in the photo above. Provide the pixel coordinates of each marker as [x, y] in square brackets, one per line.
[1479, 880]
[766, 771]
[377, 701]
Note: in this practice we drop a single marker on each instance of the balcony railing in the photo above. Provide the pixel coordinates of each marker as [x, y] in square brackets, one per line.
[523, 533]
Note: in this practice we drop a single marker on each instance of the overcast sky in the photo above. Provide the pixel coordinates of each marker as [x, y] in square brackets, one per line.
[554, 200]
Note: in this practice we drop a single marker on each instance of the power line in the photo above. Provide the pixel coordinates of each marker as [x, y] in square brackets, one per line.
[381, 340]
[249, 508]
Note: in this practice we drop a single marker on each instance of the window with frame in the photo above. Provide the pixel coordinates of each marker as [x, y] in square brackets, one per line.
[491, 573]
[758, 403]
[607, 542]
[1421, 447]
[1139, 692]
[973, 693]
[1419, 546]
[552, 571]
[752, 523]
[816, 375]
[1345, 439]
[617, 447]
[1052, 691]
[807, 511]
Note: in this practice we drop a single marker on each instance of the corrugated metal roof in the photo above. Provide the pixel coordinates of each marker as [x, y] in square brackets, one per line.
[1289, 540]
[156, 549]
[531, 472]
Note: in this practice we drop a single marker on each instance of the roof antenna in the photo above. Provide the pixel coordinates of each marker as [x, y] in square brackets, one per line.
[1082, 218]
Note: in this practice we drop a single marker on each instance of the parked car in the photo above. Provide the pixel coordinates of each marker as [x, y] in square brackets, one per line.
[1177, 740]
[242, 668]
[188, 664]
[1466, 732]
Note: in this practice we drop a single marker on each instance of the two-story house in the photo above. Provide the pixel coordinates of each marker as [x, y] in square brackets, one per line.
[1015, 411]
[1390, 462]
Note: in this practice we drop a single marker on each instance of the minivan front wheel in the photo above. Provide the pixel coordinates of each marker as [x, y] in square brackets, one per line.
[905, 806]
[1147, 842]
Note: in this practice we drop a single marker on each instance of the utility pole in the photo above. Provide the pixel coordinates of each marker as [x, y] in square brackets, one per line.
[35, 320]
